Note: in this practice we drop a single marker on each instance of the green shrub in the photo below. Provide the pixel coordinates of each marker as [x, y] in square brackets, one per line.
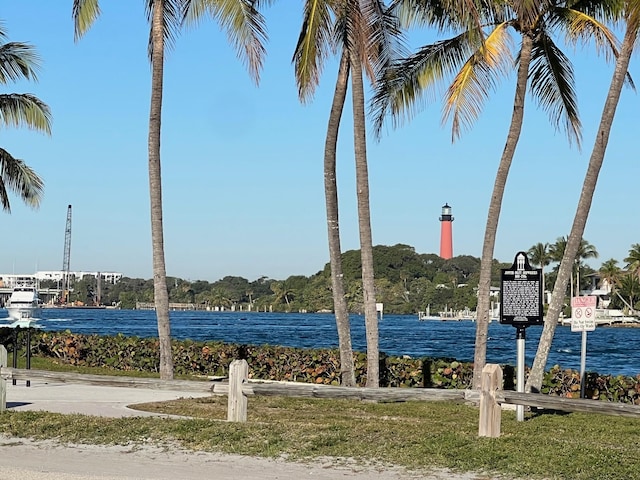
[319, 366]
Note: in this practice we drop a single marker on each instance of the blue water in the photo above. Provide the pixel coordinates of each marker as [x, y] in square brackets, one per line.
[609, 350]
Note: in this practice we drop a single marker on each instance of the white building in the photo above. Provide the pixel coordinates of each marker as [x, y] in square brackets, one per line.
[9, 280]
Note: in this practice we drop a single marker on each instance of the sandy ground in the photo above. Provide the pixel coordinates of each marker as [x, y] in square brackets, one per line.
[30, 460]
[22, 459]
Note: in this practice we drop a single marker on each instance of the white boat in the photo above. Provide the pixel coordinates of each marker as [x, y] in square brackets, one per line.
[24, 303]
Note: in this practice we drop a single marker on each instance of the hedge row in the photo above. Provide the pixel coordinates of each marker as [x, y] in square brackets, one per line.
[321, 366]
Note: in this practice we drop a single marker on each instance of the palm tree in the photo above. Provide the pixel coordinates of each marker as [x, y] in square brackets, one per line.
[632, 20]
[479, 60]
[363, 32]
[585, 251]
[629, 290]
[282, 293]
[610, 274]
[556, 250]
[310, 52]
[539, 255]
[633, 260]
[244, 26]
[19, 61]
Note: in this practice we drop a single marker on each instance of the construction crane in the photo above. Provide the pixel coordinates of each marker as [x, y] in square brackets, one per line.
[66, 259]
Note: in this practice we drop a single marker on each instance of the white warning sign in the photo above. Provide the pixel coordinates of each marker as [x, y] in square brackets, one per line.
[583, 313]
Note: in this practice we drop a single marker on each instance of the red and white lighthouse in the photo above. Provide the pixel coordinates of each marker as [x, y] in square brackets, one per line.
[446, 234]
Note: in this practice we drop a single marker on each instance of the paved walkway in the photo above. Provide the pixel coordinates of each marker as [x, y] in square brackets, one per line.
[87, 399]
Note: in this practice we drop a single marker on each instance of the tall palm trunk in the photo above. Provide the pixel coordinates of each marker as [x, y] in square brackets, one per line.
[364, 222]
[482, 322]
[161, 294]
[347, 372]
[534, 382]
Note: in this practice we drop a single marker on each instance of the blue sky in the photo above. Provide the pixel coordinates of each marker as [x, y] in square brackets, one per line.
[242, 165]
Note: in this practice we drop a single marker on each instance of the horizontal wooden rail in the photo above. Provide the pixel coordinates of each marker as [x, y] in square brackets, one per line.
[292, 389]
[8, 373]
[568, 404]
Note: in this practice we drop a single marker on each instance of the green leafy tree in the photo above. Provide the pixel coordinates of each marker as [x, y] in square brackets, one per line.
[633, 260]
[629, 290]
[610, 272]
[19, 61]
[539, 256]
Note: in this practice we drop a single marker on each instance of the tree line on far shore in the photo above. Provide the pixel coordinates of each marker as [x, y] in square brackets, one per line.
[406, 282]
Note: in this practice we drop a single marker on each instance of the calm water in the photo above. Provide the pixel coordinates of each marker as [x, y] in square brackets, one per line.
[609, 350]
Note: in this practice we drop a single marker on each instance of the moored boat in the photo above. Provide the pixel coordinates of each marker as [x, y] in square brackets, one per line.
[24, 303]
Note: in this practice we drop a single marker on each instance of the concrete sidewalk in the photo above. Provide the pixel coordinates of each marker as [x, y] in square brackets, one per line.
[87, 399]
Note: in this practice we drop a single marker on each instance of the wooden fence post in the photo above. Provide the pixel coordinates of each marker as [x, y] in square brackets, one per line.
[3, 382]
[237, 403]
[490, 409]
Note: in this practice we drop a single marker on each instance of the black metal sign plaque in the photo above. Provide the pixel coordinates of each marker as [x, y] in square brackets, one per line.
[521, 294]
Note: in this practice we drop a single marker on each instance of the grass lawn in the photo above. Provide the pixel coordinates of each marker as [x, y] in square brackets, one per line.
[416, 435]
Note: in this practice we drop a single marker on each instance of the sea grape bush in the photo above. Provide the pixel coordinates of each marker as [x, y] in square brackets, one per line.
[320, 366]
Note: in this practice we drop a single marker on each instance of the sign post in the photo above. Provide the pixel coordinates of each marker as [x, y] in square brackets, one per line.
[583, 319]
[521, 306]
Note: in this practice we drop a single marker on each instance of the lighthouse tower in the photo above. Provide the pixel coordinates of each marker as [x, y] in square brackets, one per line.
[446, 235]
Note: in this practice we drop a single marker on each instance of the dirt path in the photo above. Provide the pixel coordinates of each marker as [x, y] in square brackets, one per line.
[30, 460]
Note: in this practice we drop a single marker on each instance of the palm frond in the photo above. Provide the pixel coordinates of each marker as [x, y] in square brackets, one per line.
[583, 28]
[244, 24]
[606, 11]
[18, 61]
[632, 15]
[25, 109]
[479, 75]
[447, 15]
[386, 40]
[84, 14]
[352, 31]
[313, 47]
[17, 177]
[553, 86]
[172, 13]
[529, 13]
[408, 84]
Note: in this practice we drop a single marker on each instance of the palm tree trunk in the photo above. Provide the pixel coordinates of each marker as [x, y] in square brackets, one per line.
[161, 294]
[482, 320]
[534, 383]
[347, 371]
[364, 222]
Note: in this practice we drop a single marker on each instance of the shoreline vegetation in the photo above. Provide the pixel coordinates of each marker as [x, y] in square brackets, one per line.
[406, 283]
[132, 355]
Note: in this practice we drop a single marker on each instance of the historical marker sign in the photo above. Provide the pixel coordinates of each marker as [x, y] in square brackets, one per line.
[583, 313]
[521, 294]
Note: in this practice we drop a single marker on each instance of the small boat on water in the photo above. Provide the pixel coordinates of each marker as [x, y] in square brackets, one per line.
[24, 303]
